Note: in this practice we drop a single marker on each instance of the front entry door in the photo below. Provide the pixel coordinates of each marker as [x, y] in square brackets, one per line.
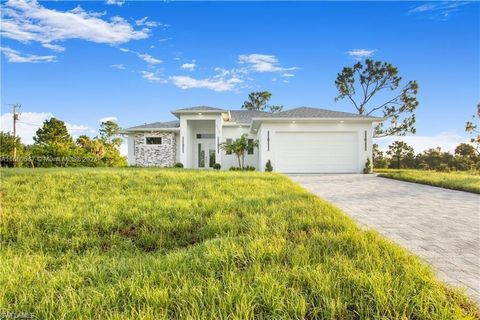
[205, 154]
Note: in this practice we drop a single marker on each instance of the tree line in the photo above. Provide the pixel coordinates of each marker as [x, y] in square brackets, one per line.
[402, 156]
[54, 147]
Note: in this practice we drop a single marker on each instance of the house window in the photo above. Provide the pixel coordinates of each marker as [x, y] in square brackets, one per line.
[250, 146]
[205, 135]
[183, 145]
[229, 141]
[153, 140]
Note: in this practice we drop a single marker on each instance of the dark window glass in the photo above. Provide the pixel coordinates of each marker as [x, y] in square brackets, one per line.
[153, 140]
[250, 146]
[205, 135]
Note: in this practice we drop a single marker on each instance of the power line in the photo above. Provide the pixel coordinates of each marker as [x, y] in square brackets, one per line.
[31, 124]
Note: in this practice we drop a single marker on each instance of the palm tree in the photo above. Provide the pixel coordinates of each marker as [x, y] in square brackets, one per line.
[240, 147]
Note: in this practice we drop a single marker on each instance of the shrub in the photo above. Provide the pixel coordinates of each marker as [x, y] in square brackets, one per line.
[477, 166]
[178, 165]
[443, 167]
[217, 166]
[268, 166]
[247, 168]
[462, 166]
[423, 166]
[368, 166]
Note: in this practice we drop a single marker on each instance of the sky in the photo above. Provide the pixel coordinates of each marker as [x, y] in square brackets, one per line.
[134, 62]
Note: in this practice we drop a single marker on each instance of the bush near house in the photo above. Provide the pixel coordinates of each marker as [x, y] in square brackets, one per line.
[112, 243]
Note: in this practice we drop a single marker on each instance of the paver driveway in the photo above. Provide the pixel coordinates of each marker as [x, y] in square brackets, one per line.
[442, 226]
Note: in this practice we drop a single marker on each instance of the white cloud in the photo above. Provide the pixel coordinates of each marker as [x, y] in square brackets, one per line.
[77, 129]
[235, 78]
[149, 59]
[262, 63]
[215, 84]
[118, 66]
[144, 22]
[28, 21]
[116, 2]
[446, 140]
[17, 57]
[108, 119]
[30, 122]
[144, 56]
[165, 39]
[189, 66]
[152, 77]
[54, 47]
[360, 54]
[438, 10]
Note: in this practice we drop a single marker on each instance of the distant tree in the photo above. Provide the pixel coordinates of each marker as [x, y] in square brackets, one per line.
[465, 156]
[379, 159]
[275, 108]
[472, 127]
[94, 147]
[110, 136]
[371, 82]
[434, 157]
[53, 144]
[465, 150]
[239, 147]
[7, 143]
[257, 101]
[110, 133]
[53, 132]
[400, 151]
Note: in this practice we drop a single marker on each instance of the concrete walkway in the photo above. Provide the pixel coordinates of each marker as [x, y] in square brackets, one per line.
[442, 226]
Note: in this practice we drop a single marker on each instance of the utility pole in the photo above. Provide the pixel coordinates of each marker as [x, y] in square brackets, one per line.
[15, 119]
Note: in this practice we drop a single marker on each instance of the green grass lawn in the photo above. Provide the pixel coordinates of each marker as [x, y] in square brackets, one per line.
[137, 243]
[458, 180]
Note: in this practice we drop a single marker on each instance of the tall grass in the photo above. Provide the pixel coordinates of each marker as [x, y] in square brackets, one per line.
[176, 244]
[457, 180]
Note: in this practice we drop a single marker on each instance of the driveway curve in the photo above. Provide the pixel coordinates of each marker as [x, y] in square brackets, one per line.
[441, 226]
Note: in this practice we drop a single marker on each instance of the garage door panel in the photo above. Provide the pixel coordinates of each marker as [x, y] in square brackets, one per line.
[316, 151]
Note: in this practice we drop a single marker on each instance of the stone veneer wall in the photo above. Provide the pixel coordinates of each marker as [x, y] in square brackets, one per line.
[155, 155]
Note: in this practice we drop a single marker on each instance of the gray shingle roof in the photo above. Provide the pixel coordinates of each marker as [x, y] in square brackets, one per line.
[158, 125]
[198, 108]
[308, 112]
[245, 116]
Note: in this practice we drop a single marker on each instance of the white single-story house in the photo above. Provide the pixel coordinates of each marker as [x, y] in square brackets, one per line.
[300, 140]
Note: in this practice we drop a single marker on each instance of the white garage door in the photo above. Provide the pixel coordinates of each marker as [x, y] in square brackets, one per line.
[316, 152]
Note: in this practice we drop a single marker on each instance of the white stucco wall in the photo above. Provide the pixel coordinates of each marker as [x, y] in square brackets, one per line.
[189, 127]
[314, 126]
[231, 160]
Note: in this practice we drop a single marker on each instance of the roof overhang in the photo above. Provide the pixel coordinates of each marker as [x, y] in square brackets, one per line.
[133, 130]
[225, 114]
[257, 121]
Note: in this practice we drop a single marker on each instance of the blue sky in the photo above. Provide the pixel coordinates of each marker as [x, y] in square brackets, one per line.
[136, 61]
